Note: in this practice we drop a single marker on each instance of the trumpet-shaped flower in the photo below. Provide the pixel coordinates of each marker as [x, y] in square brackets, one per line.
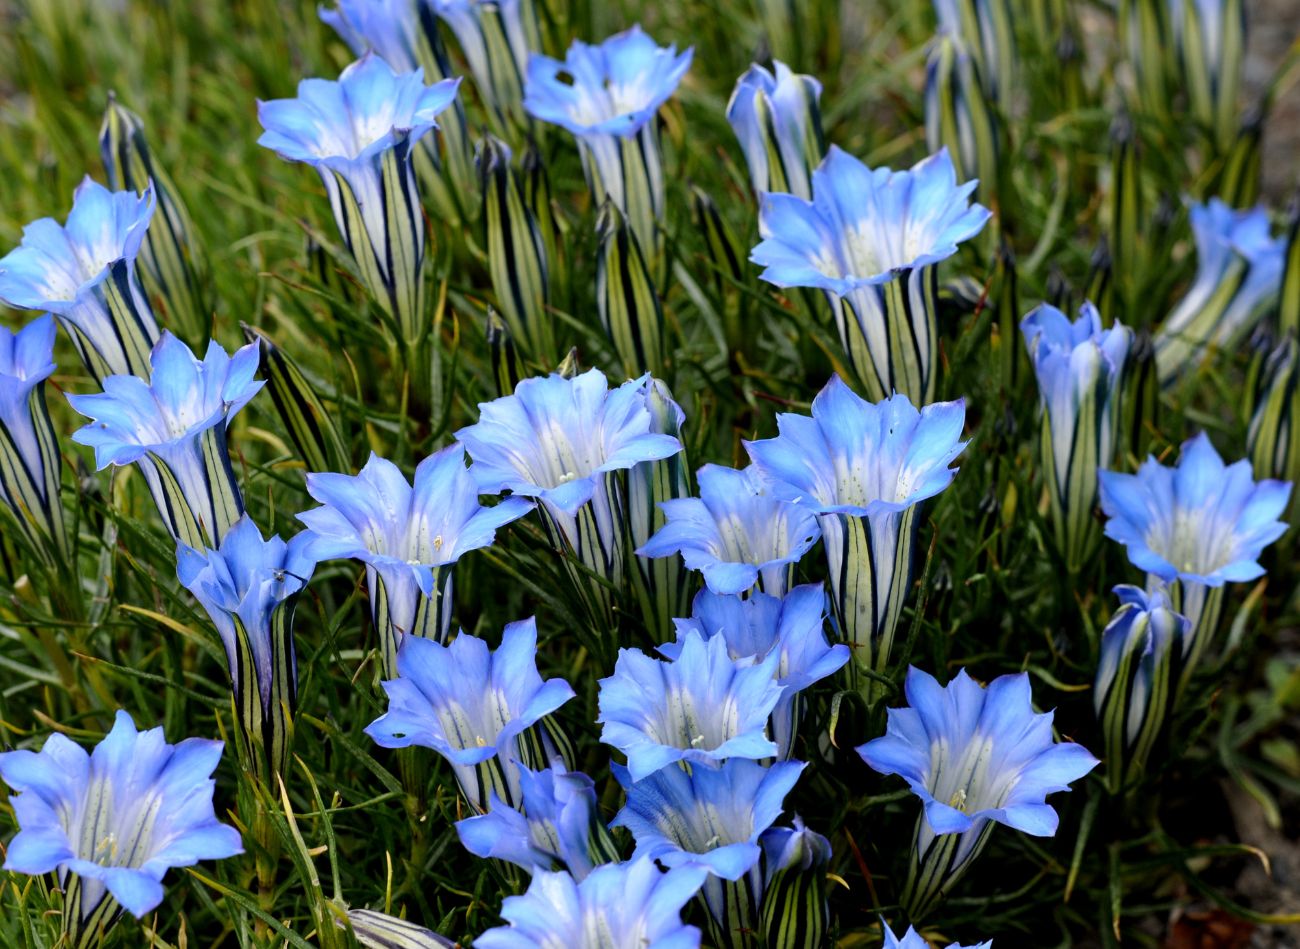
[795, 860]
[974, 756]
[711, 818]
[115, 819]
[777, 119]
[556, 826]
[606, 96]
[409, 536]
[389, 27]
[629, 905]
[735, 532]
[357, 133]
[760, 625]
[863, 229]
[1238, 272]
[556, 440]
[862, 468]
[1137, 678]
[470, 704]
[376, 930]
[29, 455]
[1199, 524]
[702, 708]
[914, 940]
[249, 588]
[173, 428]
[497, 38]
[84, 273]
[1080, 370]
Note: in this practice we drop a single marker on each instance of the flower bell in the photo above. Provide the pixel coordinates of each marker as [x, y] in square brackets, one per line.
[777, 118]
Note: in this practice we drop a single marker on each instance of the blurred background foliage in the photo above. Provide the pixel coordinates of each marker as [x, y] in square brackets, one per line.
[1222, 801]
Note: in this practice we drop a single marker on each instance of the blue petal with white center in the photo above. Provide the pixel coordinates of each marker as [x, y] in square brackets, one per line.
[775, 116]
[85, 268]
[702, 708]
[119, 817]
[616, 905]
[735, 532]
[174, 428]
[469, 703]
[759, 625]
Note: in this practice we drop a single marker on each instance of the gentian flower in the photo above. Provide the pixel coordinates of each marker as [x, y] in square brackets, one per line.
[358, 133]
[617, 906]
[560, 825]
[711, 818]
[1238, 274]
[736, 532]
[558, 440]
[870, 239]
[777, 119]
[914, 940]
[1080, 370]
[863, 469]
[84, 273]
[610, 105]
[249, 588]
[389, 27]
[376, 930]
[985, 28]
[1196, 526]
[1210, 44]
[173, 428]
[112, 822]
[702, 708]
[409, 536]
[794, 910]
[497, 38]
[29, 447]
[959, 116]
[472, 705]
[760, 625]
[975, 757]
[1137, 678]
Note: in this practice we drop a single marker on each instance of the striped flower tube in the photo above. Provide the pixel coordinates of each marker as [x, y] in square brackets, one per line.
[358, 133]
[777, 118]
[496, 37]
[249, 588]
[1274, 435]
[871, 239]
[794, 913]
[516, 255]
[172, 265]
[626, 297]
[1147, 37]
[985, 29]
[173, 428]
[864, 469]
[958, 116]
[610, 104]
[84, 273]
[1080, 370]
[376, 930]
[404, 33]
[1210, 36]
[29, 446]
[1137, 680]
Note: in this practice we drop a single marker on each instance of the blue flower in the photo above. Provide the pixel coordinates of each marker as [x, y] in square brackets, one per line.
[389, 27]
[862, 468]
[1080, 371]
[1137, 675]
[408, 536]
[735, 532]
[118, 817]
[606, 96]
[985, 28]
[29, 452]
[559, 817]
[863, 229]
[759, 625]
[702, 708]
[708, 817]
[1200, 521]
[84, 273]
[174, 429]
[357, 133]
[794, 908]
[778, 121]
[248, 587]
[974, 756]
[1238, 272]
[470, 704]
[497, 38]
[619, 904]
[914, 940]
[556, 440]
